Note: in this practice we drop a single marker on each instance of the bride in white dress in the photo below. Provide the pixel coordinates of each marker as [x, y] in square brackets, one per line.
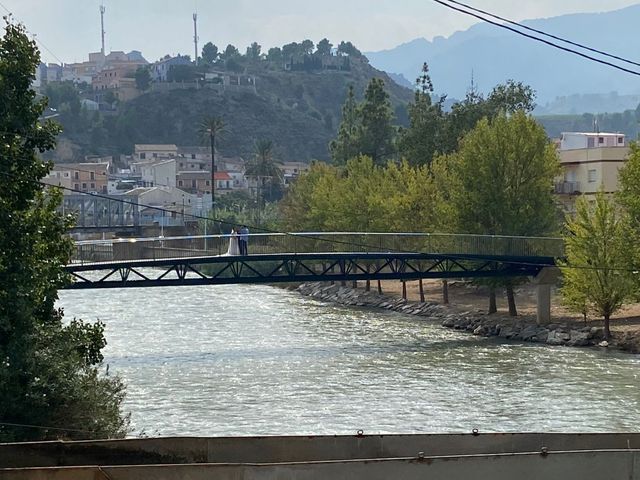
[234, 246]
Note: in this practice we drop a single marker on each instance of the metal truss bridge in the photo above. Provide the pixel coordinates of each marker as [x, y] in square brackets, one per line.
[306, 257]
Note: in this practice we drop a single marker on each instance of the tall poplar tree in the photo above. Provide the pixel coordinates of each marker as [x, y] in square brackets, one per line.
[378, 133]
[346, 144]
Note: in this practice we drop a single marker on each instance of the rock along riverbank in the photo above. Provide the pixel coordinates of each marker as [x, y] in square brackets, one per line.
[515, 329]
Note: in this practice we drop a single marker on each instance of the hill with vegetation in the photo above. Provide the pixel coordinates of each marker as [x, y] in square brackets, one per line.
[299, 109]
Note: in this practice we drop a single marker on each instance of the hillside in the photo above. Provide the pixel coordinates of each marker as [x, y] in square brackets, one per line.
[495, 55]
[299, 111]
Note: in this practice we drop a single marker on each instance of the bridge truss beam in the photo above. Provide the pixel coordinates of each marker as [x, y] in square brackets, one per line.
[295, 268]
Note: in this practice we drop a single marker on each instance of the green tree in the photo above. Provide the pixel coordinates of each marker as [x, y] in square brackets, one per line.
[264, 169]
[596, 270]
[61, 93]
[629, 194]
[211, 130]
[253, 51]
[49, 370]
[500, 181]
[425, 135]
[143, 79]
[324, 47]
[274, 55]
[377, 131]
[511, 97]
[230, 52]
[110, 97]
[291, 49]
[348, 48]
[302, 207]
[504, 99]
[307, 47]
[209, 53]
[182, 73]
[346, 144]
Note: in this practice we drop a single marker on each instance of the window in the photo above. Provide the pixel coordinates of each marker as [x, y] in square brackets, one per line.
[93, 175]
[143, 156]
[180, 183]
[93, 186]
[620, 140]
[193, 184]
[76, 186]
[155, 155]
[76, 175]
[592, 176]
[193, 156]
[84, 186]
[181, 165]
[600, 140]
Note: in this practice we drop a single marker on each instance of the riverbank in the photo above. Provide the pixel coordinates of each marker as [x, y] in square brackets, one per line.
[468, 316]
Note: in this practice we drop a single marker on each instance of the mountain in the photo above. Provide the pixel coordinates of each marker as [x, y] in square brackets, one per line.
[493, 55]
[299, 111]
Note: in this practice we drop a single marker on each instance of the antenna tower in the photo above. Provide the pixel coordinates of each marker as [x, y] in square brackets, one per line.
[102, 10]
[195, 37]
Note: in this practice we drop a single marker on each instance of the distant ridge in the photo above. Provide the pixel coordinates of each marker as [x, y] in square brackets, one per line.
[496, 55]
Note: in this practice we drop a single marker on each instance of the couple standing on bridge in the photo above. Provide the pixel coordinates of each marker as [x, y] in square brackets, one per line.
[238, 241]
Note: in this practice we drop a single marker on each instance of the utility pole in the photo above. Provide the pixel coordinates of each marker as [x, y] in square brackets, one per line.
[102, 11]
[195, 38]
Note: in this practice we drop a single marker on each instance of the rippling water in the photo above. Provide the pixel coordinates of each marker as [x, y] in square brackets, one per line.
[253, 360]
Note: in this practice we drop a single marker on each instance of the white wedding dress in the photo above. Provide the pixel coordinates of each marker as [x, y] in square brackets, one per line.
[234, 247]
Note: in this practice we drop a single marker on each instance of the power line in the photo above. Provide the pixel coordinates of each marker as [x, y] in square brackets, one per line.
[35, 36]
[538, 39]
[555, 37]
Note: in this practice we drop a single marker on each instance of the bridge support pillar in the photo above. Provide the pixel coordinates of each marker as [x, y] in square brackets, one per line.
[548, 276]
[544, 304]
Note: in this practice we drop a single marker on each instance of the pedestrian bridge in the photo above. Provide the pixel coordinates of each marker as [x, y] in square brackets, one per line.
[305, 257]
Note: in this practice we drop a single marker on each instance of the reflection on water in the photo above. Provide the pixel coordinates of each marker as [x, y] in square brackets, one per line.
[254, 360]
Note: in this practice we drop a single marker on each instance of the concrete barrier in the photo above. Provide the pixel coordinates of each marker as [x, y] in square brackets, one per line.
[582, 465]
[297, 448]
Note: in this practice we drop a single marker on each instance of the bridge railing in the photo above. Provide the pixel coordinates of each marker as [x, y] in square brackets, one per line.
[126, 249]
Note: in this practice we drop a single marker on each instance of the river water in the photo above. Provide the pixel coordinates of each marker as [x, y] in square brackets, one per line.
[254, 360]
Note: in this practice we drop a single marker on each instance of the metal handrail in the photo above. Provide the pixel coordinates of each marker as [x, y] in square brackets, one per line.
[312, 235]
[124, 249]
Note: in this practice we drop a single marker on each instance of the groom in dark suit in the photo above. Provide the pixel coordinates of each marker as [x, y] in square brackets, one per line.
[244, 240]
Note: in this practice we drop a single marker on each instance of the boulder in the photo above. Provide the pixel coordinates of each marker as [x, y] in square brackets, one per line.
[579, 338]
[448, 323]
[557, 337]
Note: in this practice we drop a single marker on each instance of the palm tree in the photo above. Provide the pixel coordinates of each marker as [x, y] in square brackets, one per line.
[211, 130]
[262, 167]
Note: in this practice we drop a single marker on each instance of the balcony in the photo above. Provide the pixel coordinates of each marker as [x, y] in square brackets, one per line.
[567, 188]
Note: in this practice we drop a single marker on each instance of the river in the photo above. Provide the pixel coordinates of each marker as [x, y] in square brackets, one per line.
[258, 360]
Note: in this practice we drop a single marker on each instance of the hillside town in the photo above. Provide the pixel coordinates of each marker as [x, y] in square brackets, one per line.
[171, 184]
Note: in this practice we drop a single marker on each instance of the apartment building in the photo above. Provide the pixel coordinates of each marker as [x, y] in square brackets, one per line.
[82, 177]
[590, 161]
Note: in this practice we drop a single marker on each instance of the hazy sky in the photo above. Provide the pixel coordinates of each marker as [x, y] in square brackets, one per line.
[71, 28]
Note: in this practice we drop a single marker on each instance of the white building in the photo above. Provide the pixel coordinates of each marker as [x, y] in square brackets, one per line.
[161, 173]
[151, 152]
[578, 140]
